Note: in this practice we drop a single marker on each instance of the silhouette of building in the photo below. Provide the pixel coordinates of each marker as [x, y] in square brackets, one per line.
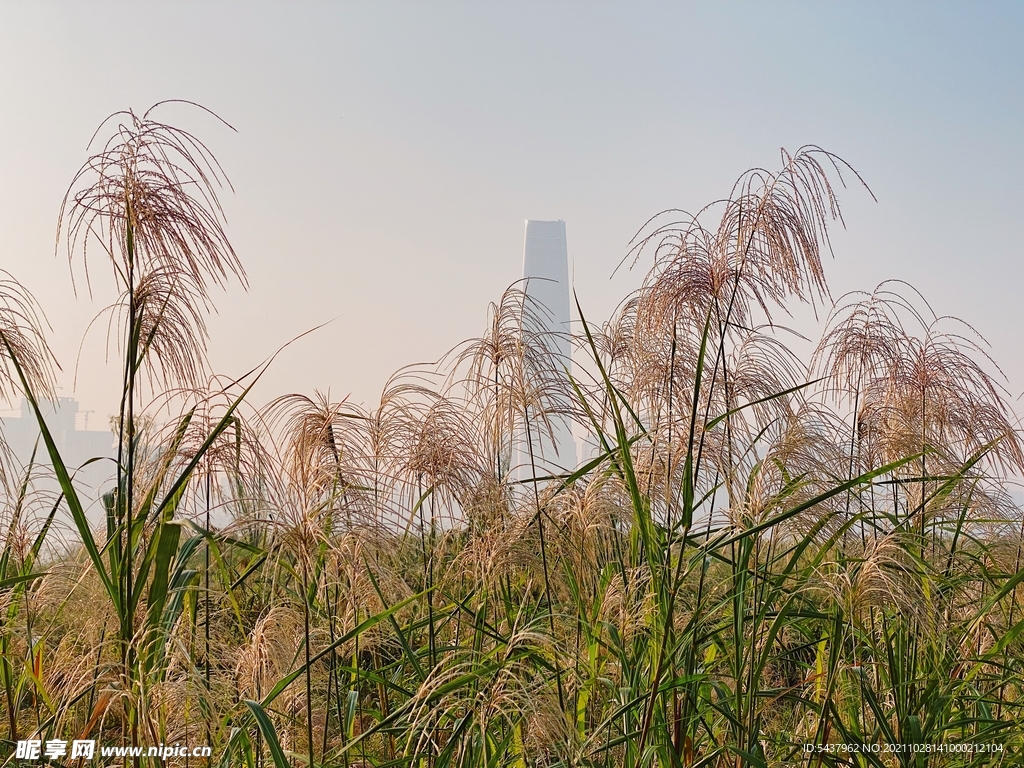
[76, 446]
[546, 274]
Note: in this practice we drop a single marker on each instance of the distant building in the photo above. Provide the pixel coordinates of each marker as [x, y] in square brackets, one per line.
[546, 271]
[76, 446]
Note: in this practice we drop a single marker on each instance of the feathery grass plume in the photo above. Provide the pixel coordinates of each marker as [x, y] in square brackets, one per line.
[272, 646]
[314, 450]
[517, 387]
[515, 381]
[880, 577]
[21, 330]
[510, 697]
[310, 427]
[916, 388]
[936, 379]
[586, 522]
[502, 550]
[231, 467]
[307, 498]
[808, 446]
[765, 249]
[766, 246]
[149, 201]
[436, 445]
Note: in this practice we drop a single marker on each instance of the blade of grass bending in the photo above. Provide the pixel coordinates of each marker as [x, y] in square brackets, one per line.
[226, 420]
[15, 518]
[624, 463]
[445, 755]
[64, 479]
[37, 545]
[249, 571]
[481, 671]
[1011, 632]
[166, 546]
[719, 419]
[160, 549]
[146, 508]
[25, 576]
[841, 488]
[402, 639]
[269, 732]
[291, 677]
[14, 581]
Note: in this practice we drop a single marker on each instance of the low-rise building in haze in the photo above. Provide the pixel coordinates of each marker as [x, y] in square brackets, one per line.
[69, 427]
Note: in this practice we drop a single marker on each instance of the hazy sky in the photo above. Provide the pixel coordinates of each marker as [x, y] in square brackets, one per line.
[387, 154]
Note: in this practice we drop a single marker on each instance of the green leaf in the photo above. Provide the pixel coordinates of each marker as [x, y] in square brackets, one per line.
[269, 732]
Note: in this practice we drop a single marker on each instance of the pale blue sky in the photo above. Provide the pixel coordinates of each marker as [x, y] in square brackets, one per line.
[387, 154]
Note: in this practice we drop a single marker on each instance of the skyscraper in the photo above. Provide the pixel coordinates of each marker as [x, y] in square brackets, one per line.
[546, 274]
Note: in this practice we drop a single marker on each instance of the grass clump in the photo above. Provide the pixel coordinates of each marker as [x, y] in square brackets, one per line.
[762, 552]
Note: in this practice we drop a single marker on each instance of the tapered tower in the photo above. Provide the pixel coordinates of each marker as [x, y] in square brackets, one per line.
[546, 274]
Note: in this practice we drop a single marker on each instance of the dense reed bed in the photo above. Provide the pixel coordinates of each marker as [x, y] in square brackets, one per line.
[759, 552]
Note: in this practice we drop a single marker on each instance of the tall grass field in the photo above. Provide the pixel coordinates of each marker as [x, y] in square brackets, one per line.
[763, 558]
